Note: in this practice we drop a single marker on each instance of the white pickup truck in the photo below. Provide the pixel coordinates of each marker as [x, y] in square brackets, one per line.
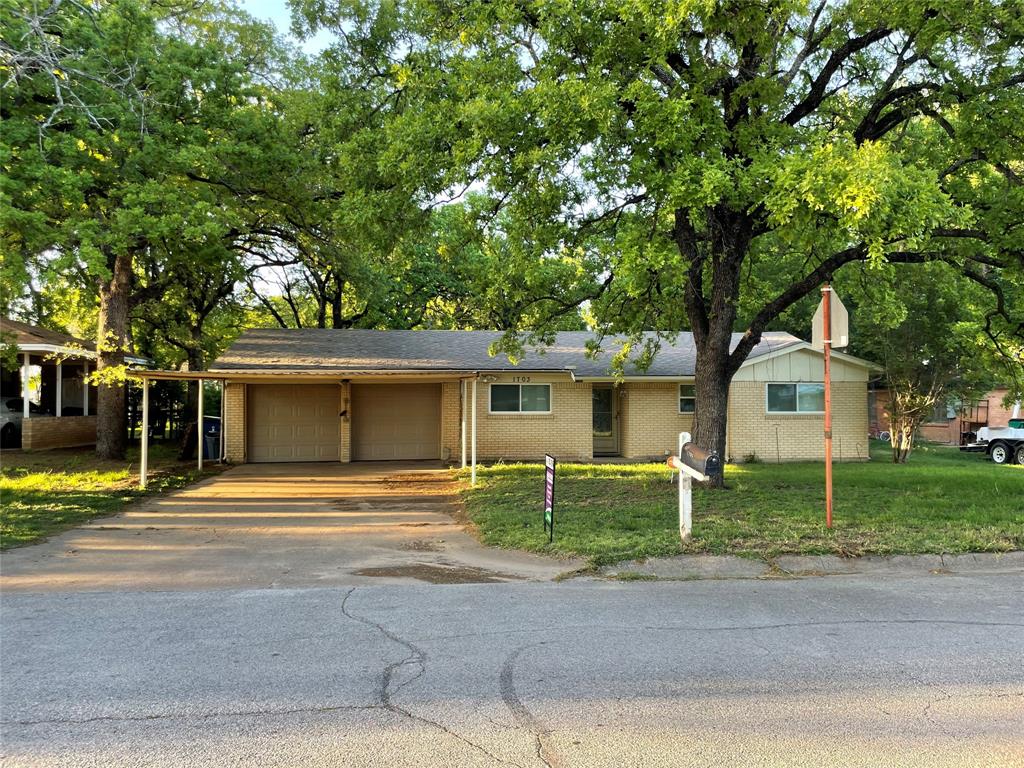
[1004, 445]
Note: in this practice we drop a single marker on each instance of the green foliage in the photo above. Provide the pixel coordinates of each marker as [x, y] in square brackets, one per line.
[709, 163]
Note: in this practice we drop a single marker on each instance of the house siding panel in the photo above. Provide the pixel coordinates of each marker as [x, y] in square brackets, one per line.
[754, 433]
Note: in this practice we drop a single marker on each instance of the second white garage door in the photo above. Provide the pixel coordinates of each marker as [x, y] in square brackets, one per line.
[396, 421]
[294, 422]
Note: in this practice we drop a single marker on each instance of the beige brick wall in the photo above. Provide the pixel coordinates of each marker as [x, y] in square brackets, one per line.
[565, 433]
[650, 421]
[234, 426]
[42, 432]
[795, 437]
[451, 413]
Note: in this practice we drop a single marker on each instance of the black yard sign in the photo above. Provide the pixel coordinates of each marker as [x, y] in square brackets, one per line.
[549, 496]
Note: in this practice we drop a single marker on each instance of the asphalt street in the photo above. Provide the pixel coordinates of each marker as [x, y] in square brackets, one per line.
[837, 671]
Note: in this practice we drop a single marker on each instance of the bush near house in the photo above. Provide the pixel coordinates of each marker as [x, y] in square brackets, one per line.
[50, 491]
[941, 502]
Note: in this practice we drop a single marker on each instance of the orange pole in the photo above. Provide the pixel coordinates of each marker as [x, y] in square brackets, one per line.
[826, 296]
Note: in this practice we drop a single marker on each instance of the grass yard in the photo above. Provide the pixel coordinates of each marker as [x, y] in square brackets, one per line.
[942, 501]
[46, 492]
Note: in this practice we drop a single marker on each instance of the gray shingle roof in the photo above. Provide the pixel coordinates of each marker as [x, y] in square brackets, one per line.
[352, 350]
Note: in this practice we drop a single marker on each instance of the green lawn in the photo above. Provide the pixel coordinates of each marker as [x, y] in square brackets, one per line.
[941, 501]
[42, 493]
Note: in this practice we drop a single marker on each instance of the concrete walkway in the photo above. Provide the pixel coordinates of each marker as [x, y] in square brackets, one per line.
[279, 525]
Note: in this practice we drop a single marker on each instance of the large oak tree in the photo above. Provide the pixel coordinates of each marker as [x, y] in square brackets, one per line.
[687, 146]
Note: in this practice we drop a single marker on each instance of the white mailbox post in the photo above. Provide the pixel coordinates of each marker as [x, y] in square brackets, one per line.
[683, 461]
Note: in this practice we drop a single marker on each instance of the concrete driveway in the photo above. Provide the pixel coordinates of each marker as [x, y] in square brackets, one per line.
[287, 525]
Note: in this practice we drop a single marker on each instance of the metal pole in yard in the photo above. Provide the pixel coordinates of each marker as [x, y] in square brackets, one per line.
[826, 294]
[144, 458]
[199, 426]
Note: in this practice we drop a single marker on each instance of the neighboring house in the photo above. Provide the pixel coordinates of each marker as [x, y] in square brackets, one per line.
[45, 400]
[952, 423]
[353, 395]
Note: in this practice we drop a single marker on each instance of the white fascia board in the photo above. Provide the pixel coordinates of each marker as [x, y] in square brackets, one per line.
[56, 349]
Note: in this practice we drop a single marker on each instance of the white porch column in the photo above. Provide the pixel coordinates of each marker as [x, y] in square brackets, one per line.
[222, 412]
[24, 384]
[472, 477]
[85, 387]
[144, 457]
[462, 410]
[199, 425]
[60, 388]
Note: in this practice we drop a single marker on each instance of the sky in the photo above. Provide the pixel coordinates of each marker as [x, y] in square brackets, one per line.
[277, 12]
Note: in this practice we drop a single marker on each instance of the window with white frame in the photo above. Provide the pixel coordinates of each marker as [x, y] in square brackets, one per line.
[687, 398]
[796, 398]
[520, 398]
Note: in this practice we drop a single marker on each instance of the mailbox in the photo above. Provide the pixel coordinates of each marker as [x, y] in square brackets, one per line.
[706, 462]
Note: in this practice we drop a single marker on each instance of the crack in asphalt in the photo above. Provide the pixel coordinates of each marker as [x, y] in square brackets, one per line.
[521, 714]
[416, 657]
[188, 716]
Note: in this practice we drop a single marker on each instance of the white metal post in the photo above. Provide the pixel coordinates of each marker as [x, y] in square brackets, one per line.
[472, 474]
[60, 389]
[24, 385]
[199, 425]
[462, 440]
[222, 433]
[685, 493]
[144, 458]
[85, 387]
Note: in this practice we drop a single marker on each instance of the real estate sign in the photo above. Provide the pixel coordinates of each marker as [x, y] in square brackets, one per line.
[549, 496]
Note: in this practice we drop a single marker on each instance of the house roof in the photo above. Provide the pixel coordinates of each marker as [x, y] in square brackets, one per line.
[32, 337]
[357, 350]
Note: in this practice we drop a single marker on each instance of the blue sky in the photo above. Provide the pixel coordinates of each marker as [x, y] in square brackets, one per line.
[277, 11]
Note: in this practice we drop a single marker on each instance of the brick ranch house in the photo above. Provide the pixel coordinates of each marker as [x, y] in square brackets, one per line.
[357, 395]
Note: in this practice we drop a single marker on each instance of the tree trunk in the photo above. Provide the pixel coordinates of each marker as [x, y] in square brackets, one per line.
[711, 416]
[111, 414]
[712, 321]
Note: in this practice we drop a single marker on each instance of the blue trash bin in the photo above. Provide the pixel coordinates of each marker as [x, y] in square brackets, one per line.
[211, 438]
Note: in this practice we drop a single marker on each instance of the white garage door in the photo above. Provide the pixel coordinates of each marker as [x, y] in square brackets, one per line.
[293, 422]
[396, 421]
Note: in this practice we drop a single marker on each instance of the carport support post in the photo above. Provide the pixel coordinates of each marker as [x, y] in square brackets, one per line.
[60, 387]
[85, 387]
[144, 458]
[24, 385]
[472, 473]
[462, 440]
[199, 425]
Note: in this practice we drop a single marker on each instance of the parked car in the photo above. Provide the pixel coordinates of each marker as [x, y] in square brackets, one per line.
[11, 414]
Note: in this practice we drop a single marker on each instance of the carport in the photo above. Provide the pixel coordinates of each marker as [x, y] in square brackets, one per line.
[303, 416]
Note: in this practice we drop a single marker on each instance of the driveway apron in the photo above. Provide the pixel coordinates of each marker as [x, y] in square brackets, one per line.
[279, 525]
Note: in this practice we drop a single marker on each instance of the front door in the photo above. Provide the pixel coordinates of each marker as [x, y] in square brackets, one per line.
[605, 439]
